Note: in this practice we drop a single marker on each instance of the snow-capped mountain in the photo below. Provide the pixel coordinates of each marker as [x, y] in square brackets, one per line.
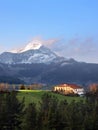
[33, 45]
[54, 70]
[34, 52]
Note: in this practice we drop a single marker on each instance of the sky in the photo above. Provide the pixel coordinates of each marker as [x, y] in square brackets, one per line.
[72, 25]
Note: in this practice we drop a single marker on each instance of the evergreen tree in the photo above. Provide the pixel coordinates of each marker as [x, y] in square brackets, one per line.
[30, 118]
[12, 112]
[47, 113]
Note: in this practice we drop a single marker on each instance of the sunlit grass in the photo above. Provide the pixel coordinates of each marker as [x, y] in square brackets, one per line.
[30, 90]
[35, 96]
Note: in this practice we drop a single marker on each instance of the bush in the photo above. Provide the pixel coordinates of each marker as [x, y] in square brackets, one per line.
[22, 87]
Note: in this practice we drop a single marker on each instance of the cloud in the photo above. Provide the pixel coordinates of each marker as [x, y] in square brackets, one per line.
[50, 42]
[46, 42]
[82, 49]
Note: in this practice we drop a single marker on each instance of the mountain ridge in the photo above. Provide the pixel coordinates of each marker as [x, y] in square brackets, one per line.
[41, 55]
[33, 52]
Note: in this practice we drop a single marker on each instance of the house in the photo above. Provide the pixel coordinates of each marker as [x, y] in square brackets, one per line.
[69, 89]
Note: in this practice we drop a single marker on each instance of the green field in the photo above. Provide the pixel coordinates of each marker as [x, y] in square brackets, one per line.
[35, 96]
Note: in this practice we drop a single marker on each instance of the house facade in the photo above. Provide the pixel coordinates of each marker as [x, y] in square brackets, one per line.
[69, 88]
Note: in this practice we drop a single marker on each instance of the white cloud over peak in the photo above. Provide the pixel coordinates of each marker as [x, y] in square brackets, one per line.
[46, 42]
[82, 49]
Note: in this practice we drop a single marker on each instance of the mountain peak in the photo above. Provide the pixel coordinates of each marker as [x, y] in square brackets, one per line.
[33, 45]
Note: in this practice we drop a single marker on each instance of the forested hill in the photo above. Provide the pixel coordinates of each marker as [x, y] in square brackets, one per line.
[53, 73]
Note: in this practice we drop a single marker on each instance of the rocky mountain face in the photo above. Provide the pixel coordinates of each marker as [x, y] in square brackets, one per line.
[34, 52]
[36, 63]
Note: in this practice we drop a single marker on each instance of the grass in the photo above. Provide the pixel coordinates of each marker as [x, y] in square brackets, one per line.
[35, 96]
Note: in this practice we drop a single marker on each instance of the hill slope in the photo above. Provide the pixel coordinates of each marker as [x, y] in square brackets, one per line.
[81, 73]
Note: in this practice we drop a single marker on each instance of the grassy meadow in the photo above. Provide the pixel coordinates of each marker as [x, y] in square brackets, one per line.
[35, 96]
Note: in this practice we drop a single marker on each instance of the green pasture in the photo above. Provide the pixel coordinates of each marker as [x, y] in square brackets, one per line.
[35, 96]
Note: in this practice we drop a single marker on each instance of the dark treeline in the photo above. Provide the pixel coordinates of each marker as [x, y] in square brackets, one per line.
[50, 115]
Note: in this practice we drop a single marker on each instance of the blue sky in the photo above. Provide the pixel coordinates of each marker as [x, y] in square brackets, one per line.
[74, 22]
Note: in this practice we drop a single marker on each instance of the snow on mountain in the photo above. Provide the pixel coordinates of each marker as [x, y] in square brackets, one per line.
[34, 52]
[33, 45]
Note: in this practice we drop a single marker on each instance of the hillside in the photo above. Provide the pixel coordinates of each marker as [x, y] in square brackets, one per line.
[79, 73]
[35, 96]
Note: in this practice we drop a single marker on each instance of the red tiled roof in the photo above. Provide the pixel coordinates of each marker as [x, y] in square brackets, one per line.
[74, 86]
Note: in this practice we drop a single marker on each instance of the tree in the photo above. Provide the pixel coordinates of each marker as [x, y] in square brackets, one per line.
[47, 114]
[30, 118]
[11, 112]
[22, 87]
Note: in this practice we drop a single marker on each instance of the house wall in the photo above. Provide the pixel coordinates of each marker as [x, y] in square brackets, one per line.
[64, 90]
[67, 90]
